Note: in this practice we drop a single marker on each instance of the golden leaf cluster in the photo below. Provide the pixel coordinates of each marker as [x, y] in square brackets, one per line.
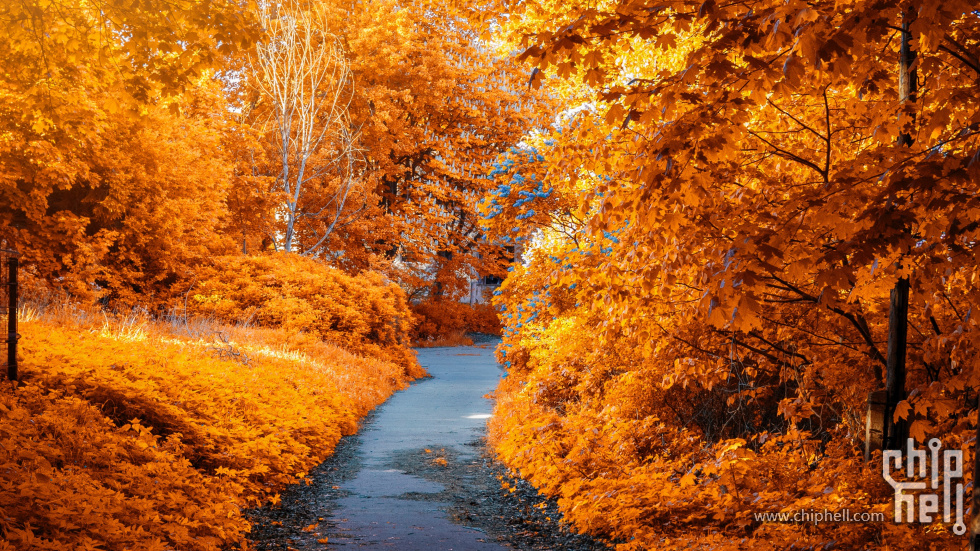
[713, 228]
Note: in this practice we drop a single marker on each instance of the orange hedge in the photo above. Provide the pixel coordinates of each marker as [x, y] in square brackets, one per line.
[129, 434]
[443, 320]
[365, 313]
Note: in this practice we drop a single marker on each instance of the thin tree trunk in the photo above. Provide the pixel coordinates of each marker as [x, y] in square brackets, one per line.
[898, 320]
[895, 433]
[304, 72]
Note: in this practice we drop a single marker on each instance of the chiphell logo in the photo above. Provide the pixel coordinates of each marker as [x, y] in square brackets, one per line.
[927, 470]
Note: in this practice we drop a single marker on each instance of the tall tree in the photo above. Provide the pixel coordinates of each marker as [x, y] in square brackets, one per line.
[306, 87]
[432, 106]
[726, 220]
[93, 100]
[438, 103]
[898, 306]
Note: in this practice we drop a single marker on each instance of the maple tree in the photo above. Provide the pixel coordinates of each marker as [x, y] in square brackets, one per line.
[725, 219]
[435, 107]
[426, 106]
[391, 172]
[112, 124]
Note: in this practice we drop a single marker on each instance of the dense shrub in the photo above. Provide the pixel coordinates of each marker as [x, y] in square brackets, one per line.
[365, 314]
[140, 435]
[444, 321]
[70, 479]
[637, 451]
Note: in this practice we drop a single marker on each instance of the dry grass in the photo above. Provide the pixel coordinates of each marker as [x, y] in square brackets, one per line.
[364, 380]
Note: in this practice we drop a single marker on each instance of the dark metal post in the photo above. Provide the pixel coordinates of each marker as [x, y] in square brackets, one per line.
[12, 319]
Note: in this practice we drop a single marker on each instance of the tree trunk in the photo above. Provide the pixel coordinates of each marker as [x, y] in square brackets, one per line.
[894, 434]
[908, 78]
[898, 320]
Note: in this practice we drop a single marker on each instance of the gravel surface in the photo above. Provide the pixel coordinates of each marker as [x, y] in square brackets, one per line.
[418, 477]
[476, 497]
[472, 496]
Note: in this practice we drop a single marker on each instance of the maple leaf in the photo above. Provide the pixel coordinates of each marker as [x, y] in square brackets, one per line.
[902, 410]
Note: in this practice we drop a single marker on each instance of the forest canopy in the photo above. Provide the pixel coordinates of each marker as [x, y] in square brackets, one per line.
[142, 141]
[751, 218]
[738, 241]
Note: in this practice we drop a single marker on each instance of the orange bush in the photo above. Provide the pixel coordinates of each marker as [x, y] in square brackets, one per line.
[447, 321]
[717, 256]
[365, 314]
[70, 479]
[135, 434]
[628, 458]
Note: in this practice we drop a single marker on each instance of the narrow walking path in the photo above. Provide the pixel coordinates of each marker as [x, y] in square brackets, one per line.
[442, 413]
[364, 497]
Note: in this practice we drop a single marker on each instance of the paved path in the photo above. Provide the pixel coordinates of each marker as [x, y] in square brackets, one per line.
[443, 412]
[360, 500]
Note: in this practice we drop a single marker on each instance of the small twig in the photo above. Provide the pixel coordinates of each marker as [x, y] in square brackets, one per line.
[186, 293]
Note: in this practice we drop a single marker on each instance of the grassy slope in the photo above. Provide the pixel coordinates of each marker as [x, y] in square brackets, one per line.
[132, 434]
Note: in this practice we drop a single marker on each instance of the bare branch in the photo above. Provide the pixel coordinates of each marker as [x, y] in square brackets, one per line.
[304, 74]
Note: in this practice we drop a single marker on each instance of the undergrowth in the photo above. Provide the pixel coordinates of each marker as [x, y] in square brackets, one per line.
[446, 322]
[140, 434]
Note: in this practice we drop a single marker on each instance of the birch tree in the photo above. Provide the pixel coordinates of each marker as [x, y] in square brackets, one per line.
[303, 75]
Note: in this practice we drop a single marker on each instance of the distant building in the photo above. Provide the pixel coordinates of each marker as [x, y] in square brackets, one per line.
[482, 287]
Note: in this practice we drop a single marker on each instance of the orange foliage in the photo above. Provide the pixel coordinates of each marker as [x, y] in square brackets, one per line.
[648, 465]
[137, 434]
[131, 154]
[365, 314]
[114, 166]
[712, 238]
[147, 203]
[72, 480]
[429, 109]
[446, 322]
